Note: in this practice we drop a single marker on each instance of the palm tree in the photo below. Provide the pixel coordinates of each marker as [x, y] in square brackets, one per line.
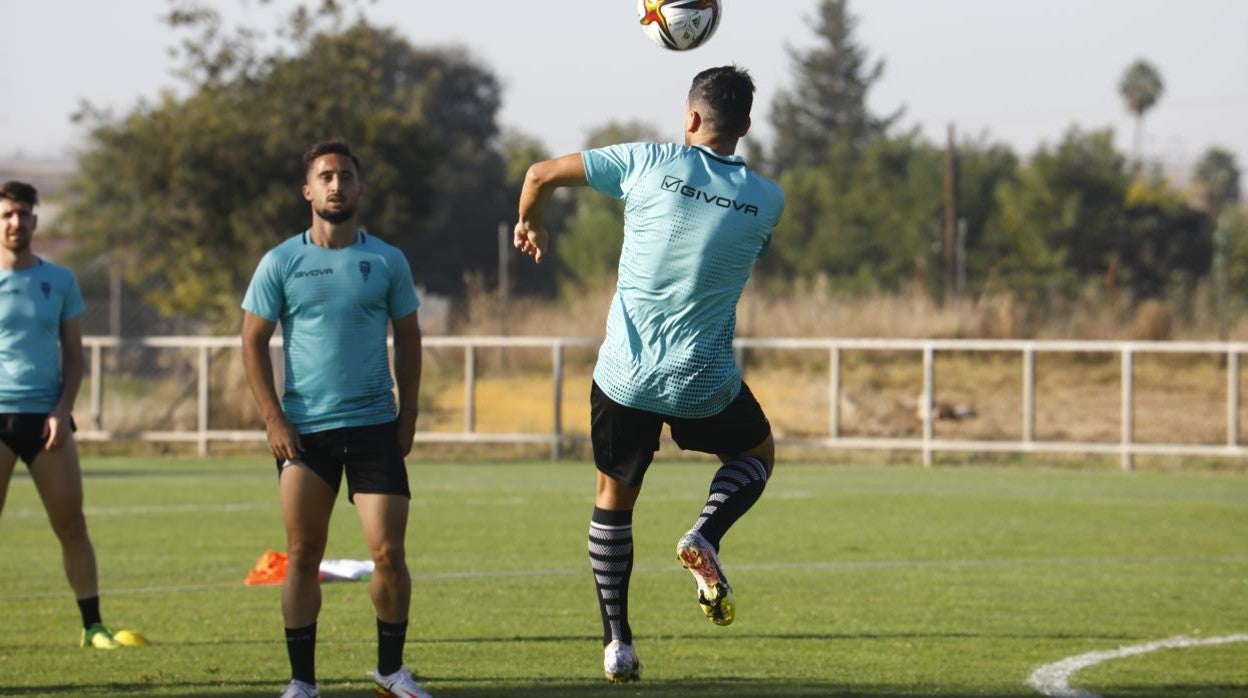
[1140, 87]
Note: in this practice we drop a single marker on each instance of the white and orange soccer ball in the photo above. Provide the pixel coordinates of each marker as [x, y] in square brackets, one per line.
[679, 25]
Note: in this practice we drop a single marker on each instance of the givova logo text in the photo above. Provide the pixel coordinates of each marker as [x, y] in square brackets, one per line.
[313, 272]
[677, 185]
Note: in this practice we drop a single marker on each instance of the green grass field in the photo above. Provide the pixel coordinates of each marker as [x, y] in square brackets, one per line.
[850, 581]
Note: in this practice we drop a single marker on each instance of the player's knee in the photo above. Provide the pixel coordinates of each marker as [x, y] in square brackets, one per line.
[305, 554]
[70, 529]
[389, 557]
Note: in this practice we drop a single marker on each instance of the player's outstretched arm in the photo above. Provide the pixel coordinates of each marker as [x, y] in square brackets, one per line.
[542, 179]
[57, 428]
[283, 438]
[407, 364]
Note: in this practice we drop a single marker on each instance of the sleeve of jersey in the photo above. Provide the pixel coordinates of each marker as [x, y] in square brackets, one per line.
[264, 296]
[74, 305]
[402, 298]
[614, 169]
[774, 222]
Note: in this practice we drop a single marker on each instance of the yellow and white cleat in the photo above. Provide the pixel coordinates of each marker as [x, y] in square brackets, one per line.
[98, 637]
[715, 597]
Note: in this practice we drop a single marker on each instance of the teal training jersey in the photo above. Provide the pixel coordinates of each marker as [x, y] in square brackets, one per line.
[334, 306]
[694, 223]
[34, 303]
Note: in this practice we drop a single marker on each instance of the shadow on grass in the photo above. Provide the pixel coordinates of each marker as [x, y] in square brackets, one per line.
[522, 687]
[518, 687]
[703, 639]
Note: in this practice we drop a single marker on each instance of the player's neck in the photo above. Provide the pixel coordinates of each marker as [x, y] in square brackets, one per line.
[719, 146]
[13, 261]
[332, 235]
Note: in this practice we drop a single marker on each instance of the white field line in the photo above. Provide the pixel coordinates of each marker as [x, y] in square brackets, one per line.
[749, 567]
[91, 512]
[1053, 680]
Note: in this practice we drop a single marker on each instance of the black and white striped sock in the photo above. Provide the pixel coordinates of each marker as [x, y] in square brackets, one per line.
[611, 558]
[736, 486]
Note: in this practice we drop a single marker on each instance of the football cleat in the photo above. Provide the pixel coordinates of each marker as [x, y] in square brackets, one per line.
[715, 597]
[97, 636]
[397, 685]
[620, 663]
[300, 689]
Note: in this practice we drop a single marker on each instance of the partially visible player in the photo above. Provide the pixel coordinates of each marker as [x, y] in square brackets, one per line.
[40, 373]
[696, 218]
[336, 289]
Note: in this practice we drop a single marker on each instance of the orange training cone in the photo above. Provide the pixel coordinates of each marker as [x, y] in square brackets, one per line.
[269, 569]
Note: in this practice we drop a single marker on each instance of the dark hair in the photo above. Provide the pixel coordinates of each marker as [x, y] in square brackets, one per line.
[726, 95]
[20, 192]
[333, 146]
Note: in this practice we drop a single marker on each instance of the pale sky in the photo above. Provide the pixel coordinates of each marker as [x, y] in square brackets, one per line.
[1020, 71]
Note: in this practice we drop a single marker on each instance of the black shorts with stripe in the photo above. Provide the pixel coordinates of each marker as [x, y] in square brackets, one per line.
[625, 438]
[369, 455]
[22, 433]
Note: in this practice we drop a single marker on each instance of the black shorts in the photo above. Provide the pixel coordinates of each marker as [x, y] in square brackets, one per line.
[22, 432]
[370, 455]
[625, 438]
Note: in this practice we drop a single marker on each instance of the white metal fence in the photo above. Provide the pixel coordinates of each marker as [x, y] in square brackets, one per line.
[1126, 447]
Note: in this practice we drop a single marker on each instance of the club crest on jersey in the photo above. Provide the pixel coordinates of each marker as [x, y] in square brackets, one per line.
[46, 288]
[366, 268]
[677, 185]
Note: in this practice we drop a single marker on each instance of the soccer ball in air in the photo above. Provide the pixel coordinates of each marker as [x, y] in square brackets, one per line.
[679, 25]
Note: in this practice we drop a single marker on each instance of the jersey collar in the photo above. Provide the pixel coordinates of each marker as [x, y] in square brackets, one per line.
[726, 159]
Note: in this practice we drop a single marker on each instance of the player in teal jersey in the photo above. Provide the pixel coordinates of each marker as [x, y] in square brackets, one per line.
[696, 218]
[336, 289]
[40, 307]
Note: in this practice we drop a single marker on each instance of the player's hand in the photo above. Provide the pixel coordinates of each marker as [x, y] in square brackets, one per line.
[284, 441]
[406, 430]
[56, 429]
[531, 240]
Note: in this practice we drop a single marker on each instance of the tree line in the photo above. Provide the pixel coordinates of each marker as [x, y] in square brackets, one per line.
[173, 188]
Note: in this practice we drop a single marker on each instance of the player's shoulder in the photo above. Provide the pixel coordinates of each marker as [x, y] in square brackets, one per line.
[53, 271]
[371, 243]
[390, 254]
[287, 249]
[768, 185]
[640, 152]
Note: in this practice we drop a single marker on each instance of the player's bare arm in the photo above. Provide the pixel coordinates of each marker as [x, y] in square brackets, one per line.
[58, 426]
[283, 439]
[407, 357]
[542, 179]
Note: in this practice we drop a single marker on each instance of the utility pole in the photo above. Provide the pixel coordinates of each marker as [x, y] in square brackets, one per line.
[114, 299]
[1221, 246]
[951, 217]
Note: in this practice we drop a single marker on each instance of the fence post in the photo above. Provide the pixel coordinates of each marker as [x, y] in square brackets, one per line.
[97, 386]
[834, 393]
[470, 387]
[556, 367]
[929, 399]
[1128, 408]
[1029, 394]
[202, 407]
[1232, 398]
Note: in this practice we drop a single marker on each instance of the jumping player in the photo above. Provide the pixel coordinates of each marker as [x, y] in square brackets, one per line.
[696, 218]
